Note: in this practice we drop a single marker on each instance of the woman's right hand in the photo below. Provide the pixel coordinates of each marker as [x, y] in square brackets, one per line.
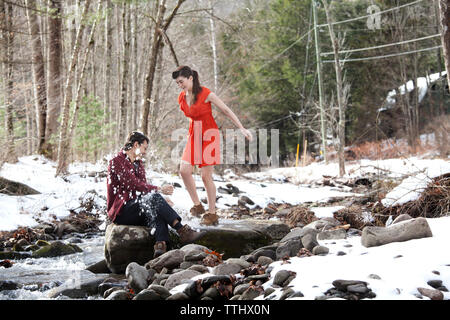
[167, 189]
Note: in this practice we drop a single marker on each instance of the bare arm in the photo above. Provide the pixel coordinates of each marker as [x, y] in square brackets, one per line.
[214, 99]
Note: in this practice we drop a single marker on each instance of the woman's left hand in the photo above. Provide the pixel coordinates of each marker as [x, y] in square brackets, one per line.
[247, 134]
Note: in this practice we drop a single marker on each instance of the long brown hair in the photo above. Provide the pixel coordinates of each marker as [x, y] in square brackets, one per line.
[186, 72]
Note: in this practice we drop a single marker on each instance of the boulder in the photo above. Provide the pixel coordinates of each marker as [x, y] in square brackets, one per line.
[126, 244]
[402, 231]
[234, 239]
[14, 188]
[99, 267]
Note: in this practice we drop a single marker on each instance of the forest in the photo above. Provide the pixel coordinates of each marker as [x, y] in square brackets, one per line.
[77, 76]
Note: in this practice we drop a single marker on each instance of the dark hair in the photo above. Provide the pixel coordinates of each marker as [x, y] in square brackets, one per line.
[185, 71]
[135, 136]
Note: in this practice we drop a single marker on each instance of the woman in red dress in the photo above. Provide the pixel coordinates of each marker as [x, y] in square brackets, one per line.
[203, 144]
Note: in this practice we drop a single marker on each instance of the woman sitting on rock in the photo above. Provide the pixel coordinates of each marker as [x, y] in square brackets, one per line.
[133, 201]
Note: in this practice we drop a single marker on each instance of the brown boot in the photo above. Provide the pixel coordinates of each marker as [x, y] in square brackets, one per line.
[187, 235]
[197, 210]
[159, 248]
[209, 219]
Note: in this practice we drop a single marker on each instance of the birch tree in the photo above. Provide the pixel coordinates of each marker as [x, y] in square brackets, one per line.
[63, 146]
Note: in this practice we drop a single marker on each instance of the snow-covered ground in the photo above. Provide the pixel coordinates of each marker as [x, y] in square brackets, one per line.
[401, 267]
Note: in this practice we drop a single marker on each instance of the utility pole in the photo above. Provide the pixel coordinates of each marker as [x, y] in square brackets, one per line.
[319, 78]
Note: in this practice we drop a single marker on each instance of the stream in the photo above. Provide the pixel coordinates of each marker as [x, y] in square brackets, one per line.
[36, 277]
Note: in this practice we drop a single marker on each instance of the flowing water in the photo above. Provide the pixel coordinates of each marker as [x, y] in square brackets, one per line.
[36, 277]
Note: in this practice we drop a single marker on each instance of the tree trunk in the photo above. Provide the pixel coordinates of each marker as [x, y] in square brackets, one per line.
[82, 77]
[152, 67]
[54, 76]
[156, 46]
[340, 91]
[444, 6]
[63, 147]
[6, 16]
[40, 91]
[125, 64]
[213, 46]
[107, 70]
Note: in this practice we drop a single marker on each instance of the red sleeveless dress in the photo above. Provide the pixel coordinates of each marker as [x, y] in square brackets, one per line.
[203, 143]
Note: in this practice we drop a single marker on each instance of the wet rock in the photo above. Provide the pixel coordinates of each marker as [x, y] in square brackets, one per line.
[170, 260]
[8, 285]
[179, 277]
[403, 231]
[55, 249]
[7, 255]
[119, 295]
[137, 277]
[78, 287]
[99, 267]
[42, 243]
[109, 291]
[105, 286]
[433, 294]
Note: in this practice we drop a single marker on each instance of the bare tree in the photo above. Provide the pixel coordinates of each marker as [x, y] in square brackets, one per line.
[444, 6]
[63, 146]
[340, 92]
[54, 76]
[6, 18]
[161, 27]
[125, 66]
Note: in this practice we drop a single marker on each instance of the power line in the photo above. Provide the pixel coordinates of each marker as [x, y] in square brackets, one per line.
[385, 56]
[384, 45]
[371, 15]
